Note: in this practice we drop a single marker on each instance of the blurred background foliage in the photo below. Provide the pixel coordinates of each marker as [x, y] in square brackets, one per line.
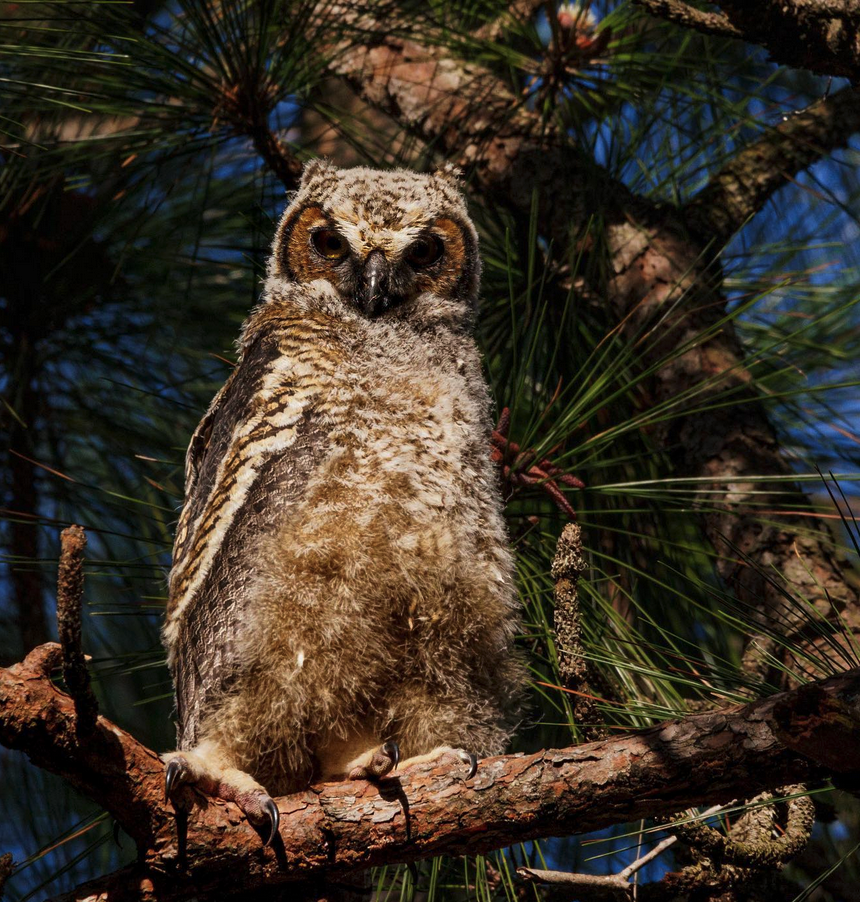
[135, 220]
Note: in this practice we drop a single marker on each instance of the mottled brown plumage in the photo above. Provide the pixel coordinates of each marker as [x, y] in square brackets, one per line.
[341, 572]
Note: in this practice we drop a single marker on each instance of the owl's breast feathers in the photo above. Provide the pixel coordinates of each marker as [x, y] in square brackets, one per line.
[327, 429]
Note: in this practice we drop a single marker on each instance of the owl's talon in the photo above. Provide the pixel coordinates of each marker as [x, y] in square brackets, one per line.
[392, 749]
[468, 758]
[172, 777]
[271, 810]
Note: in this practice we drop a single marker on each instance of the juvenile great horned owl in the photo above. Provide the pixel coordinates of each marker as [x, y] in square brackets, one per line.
[342, 588]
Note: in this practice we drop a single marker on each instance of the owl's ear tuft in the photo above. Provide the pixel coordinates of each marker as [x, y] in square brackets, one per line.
[314, 168]
[451, 174]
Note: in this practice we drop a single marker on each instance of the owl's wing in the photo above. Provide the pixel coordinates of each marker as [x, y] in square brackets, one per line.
[249, 460]
[199, 444]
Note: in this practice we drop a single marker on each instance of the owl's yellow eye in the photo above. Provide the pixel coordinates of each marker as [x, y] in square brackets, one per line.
[329, 244]
[424, 251]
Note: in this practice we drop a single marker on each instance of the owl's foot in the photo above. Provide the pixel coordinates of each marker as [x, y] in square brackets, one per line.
[382, 762]
[452, 755]
[208, 774]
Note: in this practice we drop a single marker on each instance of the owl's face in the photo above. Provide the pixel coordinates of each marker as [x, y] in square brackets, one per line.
[392, 244]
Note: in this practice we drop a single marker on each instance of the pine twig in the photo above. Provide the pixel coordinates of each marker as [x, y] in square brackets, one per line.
[567, 566]
[70, 590]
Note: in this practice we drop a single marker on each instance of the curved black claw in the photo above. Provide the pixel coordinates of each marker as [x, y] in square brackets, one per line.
[470, 759]
[172, 776]
[271, 810]
[392, 749]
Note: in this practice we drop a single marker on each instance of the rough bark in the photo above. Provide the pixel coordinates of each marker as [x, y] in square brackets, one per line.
[109, 766]
[341, 827]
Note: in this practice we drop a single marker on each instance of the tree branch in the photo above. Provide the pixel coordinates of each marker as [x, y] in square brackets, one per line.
[109, 766]
[284, 164]
[683, 14]
[246, 105]
[340, 827]
[742, 187]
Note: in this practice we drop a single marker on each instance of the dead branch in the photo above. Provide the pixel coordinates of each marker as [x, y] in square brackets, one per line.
[340, 827]
[70, 591]
[612, 886]
[593, 887]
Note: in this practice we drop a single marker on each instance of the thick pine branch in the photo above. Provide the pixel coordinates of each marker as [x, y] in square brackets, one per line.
[336, 828]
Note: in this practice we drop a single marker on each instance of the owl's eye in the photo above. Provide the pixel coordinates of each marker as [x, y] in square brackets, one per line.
[424, 251]
[329, 244]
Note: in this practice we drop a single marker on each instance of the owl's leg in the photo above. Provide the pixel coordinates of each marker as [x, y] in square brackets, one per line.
[209, 769]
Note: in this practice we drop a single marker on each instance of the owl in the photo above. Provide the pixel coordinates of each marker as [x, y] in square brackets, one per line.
[342, 594]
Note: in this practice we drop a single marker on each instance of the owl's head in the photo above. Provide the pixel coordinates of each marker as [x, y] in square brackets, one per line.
[397, 245]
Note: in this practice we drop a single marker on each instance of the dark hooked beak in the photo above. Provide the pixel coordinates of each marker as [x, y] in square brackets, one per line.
[373, 298]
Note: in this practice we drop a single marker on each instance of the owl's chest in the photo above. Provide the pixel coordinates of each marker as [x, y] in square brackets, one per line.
[404, 420]
[400, 481]
[399, 452]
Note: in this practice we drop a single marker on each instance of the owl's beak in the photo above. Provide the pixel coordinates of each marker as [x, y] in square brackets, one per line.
[374, 296]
